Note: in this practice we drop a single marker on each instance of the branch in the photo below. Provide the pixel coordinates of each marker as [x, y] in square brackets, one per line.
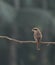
[18, 41]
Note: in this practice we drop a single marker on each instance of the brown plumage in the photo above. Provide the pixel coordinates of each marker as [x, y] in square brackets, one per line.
[37, 36]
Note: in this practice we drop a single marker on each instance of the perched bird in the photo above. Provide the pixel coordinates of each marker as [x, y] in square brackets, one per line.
[37, 36]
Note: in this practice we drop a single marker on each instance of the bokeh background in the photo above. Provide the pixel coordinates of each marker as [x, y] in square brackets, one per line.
[17, 18]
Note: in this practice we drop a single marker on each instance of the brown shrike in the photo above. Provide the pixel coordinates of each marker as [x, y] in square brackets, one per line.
[37, 36]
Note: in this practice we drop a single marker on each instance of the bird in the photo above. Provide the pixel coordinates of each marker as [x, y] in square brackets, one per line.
[37, 36]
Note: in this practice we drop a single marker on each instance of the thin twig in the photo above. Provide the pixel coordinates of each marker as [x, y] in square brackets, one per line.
[18, 41]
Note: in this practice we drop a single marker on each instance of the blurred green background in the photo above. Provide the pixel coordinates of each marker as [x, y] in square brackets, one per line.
[17, 18]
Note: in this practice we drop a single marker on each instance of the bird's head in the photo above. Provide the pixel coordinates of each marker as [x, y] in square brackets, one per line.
[34, 29]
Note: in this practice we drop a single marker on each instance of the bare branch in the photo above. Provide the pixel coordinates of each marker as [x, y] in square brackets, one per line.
[18, 41]
[11, 39]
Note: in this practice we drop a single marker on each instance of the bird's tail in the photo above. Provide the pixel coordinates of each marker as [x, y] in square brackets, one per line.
[38, 47]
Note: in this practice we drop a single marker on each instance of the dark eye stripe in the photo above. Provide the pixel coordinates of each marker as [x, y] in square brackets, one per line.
[35, 29]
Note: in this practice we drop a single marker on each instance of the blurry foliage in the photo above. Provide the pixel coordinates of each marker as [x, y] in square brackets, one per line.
[11, 2]
[7, 12]
[25, 19]
[51, 4]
